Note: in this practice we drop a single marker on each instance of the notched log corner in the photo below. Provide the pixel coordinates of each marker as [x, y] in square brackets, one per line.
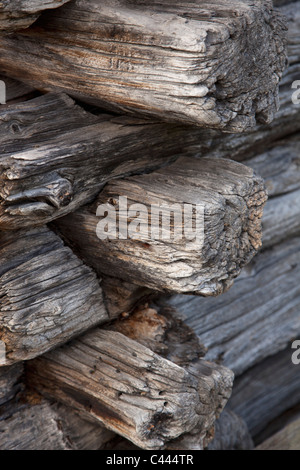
[120, 382]
[214, 65]
[226, 227]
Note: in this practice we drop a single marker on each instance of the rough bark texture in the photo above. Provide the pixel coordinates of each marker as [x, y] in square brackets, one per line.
[174, 61]
[20, 14]
[47, 294]
[132, 390]
[257, 317]
[226, 228]
[267, 390]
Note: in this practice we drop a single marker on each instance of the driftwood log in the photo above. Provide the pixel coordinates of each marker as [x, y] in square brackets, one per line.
[39, 310]
[20, 14]
[169, 61]
[123, 384]
[226, 226]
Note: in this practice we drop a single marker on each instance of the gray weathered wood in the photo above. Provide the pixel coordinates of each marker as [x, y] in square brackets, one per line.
[267, 390]
[163, 142]
[20, 14]
[10, 382]
[132, 390]
[231, 433]
[216, 64]
[47, 294]
[287, 439]
[279, 166]
[281, 218]
[257, 317]
[36, 424]
[230, 198]
[55, 156]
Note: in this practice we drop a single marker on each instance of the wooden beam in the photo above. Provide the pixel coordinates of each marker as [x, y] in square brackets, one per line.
[216, 65]
[132, 390]
[229, 200]
[56, 157]
[20, 14]
[36, 424]
[47, 294]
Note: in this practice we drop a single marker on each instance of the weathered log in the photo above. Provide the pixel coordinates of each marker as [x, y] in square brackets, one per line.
[162, 142]
[279, 166]
[32, 428]
[132, 390]
[215, 65]
[10, 382]
[231, 433]
[226, 203]
[287, 119]
[42, 181]
[35, 424]
[20, 14]
[282, 218]
[277, 424]
[287, 439]
[257, 317]
[266, 391]
[47, 294]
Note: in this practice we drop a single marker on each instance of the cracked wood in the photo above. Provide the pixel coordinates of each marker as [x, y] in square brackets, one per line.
[230, 200]
[214, 64]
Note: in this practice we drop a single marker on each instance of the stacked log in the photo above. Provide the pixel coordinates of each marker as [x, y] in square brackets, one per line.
[113, 333]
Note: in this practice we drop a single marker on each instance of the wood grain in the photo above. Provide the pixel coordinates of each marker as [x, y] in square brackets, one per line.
[230, 199]
[55, 156]
[214, 64]
[257, 317]
[47, 294]
[267, 390]
[131, 390]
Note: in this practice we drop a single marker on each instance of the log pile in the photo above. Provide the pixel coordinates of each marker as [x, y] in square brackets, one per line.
[116, 333]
